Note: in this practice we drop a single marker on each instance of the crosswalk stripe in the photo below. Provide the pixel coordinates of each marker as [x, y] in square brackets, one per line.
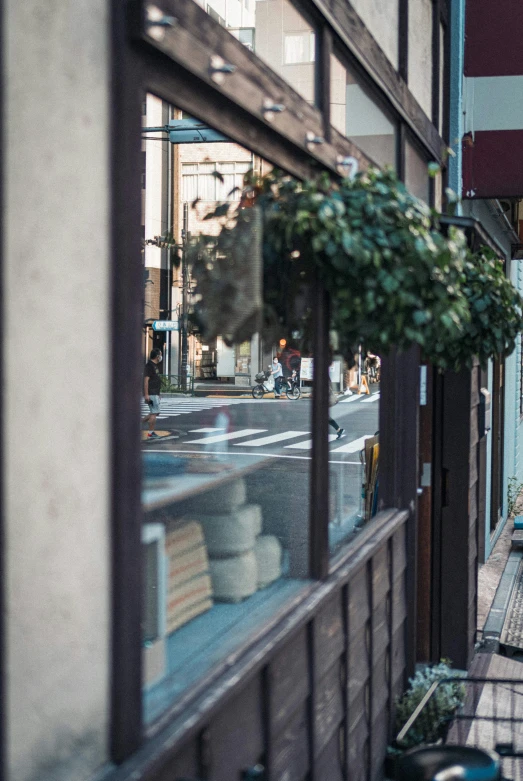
[307, 445]
[352, 447]
[374, 397]
[204, 430]
[350, 399]
[271, 439]
[225, 437]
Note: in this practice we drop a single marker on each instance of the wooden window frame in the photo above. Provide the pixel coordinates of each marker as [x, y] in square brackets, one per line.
[141, 65]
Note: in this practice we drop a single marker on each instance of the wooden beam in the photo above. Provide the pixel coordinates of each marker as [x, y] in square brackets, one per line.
[236, 106]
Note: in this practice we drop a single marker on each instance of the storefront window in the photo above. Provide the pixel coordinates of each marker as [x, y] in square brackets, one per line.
[356, 115]
[277, 33]
[353, 444]
[416, 173]
[225, 467]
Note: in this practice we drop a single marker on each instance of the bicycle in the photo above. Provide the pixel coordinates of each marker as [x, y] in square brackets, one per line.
[292, 386]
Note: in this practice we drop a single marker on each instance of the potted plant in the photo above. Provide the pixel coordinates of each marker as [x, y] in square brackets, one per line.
[444, 693]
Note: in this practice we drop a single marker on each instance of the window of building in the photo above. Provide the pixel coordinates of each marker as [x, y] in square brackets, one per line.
[277, 33]
[416, 172]
[354, 443]
[245, 35]
[358, 116]
[299, 48]
[226, 480]
[213, 181]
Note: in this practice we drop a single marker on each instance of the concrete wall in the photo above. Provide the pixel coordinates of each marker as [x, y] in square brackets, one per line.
[56, 395]
[420, 53]
[381, 18]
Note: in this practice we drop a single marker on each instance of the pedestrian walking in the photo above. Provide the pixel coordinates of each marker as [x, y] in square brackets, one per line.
[151, 390]
[277, 373]
[333, 400]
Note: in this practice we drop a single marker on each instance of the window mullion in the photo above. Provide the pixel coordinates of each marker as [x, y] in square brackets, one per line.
[319, 478]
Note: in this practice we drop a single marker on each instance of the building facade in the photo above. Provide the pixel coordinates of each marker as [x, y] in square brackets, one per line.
[303, 686]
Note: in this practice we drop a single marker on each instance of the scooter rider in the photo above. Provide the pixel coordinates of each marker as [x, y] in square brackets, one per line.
[277, 373]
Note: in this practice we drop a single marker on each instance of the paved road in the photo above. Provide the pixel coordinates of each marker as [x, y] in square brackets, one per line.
[269, 426]
[274, 436]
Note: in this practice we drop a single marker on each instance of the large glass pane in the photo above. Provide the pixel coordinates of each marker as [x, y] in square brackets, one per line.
[225, 471]
[354, 443]
[276, 32]
[416, 172]
[358, 116]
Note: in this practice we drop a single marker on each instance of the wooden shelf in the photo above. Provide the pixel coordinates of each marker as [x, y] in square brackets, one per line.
[163, 492]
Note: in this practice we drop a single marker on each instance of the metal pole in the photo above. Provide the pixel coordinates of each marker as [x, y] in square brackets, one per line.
[183, 323]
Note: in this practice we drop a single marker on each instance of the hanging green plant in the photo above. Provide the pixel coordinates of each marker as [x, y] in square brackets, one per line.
[392, 277]
[495, 313]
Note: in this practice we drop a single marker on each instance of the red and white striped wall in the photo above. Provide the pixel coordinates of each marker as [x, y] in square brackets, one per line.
[493, 99]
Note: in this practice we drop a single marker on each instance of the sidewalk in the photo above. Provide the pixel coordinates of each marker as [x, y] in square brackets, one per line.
[490, 574]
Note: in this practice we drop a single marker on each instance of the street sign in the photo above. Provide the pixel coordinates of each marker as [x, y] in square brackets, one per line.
[166, 325]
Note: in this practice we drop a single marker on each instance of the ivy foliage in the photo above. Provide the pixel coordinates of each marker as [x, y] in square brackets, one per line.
[393, 278]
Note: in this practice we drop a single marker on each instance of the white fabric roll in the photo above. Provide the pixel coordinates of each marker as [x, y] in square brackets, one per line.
[234, 578]
[223, 498]
[268, 559]
[233, 533]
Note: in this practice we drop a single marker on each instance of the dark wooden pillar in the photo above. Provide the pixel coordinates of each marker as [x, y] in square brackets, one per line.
[456, 569]
[399, 469]
[424, 568]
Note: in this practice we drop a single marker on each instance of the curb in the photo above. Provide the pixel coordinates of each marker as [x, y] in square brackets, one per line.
[498, 611]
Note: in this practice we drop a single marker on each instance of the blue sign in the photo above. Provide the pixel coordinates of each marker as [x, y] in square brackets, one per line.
[166, 325]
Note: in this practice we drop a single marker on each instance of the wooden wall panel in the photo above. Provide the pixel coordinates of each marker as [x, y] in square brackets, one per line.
[398, 655]
[329, 639]
[290, 750]
[319, 707]
[381, 627]
[399, 551]
[288, 681]
[186, 762]
[359, 661]
[359, 750]
[380, 575]
[236, 733]
[380, 731]
[328, 707]
[359, 609]
[330, 764]
[399, 603]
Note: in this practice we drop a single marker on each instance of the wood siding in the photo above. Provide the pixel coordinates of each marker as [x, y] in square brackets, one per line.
[318, 703]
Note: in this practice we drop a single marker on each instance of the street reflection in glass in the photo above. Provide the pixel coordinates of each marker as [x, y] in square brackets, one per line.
[226, 431]
[354, 445]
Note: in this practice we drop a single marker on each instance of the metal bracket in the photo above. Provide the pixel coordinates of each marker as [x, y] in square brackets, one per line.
[218, 69]
[269, 109]
[157, 22]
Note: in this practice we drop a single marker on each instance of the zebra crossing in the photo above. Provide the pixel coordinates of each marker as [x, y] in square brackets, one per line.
[251, 438]
[171, 408]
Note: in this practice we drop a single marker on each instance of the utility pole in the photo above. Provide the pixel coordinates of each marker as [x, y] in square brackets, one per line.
[185, 284]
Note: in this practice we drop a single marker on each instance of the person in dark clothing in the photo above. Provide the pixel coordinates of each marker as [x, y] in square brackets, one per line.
[151, 390]
[333, 400]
